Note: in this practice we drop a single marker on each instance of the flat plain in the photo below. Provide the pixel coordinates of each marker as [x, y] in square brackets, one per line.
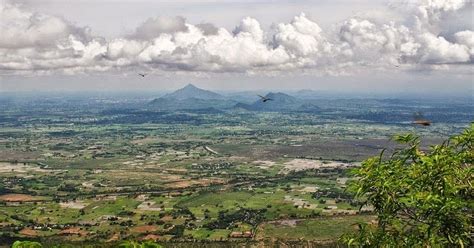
[92, 170]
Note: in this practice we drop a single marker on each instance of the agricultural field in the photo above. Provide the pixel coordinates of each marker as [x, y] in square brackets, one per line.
[95, 173]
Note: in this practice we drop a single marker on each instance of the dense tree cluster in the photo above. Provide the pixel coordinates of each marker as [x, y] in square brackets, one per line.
[226, 220]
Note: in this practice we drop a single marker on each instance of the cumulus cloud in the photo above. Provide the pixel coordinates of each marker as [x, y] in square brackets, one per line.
[369, 41]
[21, 29]
[466, 38]
[421, 43]
[207, 28]
[301, 37]
[153, 27]
[431, 11]
[32, 42]
[437, 50]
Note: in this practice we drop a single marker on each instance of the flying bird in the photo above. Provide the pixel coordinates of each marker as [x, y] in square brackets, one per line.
[142, 74]
[265, 99]
[420, 120]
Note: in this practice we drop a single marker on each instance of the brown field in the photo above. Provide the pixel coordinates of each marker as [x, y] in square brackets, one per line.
[188, 183]
[153, 237]
[18, 155]
[18, 198]
[73, 231]
[167, 218]
[114, 237]
[73, 204]
[6, 167]
[144, 229]
[29, 232]
[306, 164]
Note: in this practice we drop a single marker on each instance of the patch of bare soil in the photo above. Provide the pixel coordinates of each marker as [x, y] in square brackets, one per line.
[153, 237]
[114, 237]
[144, 229]
[73, 231]
[29, 232]
[73, 204]
[188, 183]
[18, 198]
[149, 206]
[307, 164]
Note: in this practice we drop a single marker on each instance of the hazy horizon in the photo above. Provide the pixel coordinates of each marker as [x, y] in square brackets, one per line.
[311, 93]
[359, 46]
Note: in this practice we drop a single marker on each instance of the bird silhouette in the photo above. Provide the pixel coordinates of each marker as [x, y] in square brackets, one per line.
[420, 120]
[265, 99]
[142, 74]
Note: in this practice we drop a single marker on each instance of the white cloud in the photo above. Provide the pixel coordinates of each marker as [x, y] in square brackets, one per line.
[207, 28]
[466, 38]
[301, 37]
[250, 26]
[153, 27]
[37, 42]
[377, 43]
[33, 41]
[22, 29]
[432, 9]
[437, 50]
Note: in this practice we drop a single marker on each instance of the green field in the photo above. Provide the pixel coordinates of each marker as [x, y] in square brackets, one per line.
[328, 228]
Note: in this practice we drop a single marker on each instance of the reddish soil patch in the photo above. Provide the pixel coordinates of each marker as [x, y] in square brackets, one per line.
[153, 237]
[73, 231]
[18, 198]
[189, 183]
[29, 232]
[167, 218]
[144, 229]
[114, 237]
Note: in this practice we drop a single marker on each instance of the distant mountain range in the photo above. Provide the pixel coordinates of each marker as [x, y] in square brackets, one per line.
[192, 98]
[279, 102]
[190, 91]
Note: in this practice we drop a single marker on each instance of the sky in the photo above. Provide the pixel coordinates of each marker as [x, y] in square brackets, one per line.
[424, 46]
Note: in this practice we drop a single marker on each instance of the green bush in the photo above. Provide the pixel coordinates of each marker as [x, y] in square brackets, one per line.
[26, 244]
[421, 198]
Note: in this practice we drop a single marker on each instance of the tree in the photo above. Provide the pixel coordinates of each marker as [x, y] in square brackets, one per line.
[26, 244]
[421, 198]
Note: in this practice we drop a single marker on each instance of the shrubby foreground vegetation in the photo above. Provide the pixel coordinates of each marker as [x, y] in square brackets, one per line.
[421, 198]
